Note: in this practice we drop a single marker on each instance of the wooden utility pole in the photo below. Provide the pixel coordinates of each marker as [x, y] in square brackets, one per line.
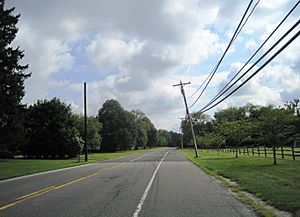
[181, 132]
[85, 124]
[188, 113]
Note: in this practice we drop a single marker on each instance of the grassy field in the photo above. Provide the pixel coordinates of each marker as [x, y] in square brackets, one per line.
[279, 185]
[10, 168]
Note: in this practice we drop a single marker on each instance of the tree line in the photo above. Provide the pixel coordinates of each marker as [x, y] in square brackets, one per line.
[51, 130]
[249, 125]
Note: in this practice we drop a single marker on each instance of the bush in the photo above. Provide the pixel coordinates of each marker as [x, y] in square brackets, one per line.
[51, 131]
[6, 154]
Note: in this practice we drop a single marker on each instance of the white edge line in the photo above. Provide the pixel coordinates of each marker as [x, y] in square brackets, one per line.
[139, 206]
[51, 171]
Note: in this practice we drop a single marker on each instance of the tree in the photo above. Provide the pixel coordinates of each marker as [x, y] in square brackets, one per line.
[276, 128]
[51, 131]
[119, 128]
[142, 124]
[202, 124]
[230, 114]
[12, 77]
[94, 128]
[152, 136]
[175, 139]
[294, 108]
[128, 132]
[164, 138]
[211, 140]
[234, 132]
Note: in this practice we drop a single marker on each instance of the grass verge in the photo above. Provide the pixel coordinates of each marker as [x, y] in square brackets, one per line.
[10, 168]
[278, 185]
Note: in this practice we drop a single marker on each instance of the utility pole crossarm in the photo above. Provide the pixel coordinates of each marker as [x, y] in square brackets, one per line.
[181, 84]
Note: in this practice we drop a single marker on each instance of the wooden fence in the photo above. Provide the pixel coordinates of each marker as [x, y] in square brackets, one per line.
[263, 151]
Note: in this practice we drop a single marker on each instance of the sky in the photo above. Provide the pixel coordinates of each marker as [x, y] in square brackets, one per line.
[135, 50]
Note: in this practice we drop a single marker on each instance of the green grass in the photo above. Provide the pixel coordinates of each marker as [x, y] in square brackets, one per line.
[278, 185]
[10, 168]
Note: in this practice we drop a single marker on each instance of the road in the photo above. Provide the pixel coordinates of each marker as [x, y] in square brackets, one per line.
[151, 184]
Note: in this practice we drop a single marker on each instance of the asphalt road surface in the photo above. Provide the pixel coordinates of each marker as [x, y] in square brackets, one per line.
[161, 183]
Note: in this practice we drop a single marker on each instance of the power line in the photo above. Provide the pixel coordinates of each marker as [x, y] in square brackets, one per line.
[253, 9]
[192, 36]
[201, 84]
[221, 59]
[258, 70]
[222, 91]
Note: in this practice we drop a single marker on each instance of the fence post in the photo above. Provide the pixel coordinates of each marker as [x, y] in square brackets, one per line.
[293, 152]
[244, 150]
[258, 151]
[265, 150]
[252, 150]
[282, 155]
[247, 150]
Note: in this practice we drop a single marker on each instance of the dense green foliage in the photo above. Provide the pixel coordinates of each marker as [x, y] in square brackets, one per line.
[122, 130]
[12, 78]
[50, 131]
[249, 125]
[119, 131]
[169, 138]
[278, 185]
[94, 128]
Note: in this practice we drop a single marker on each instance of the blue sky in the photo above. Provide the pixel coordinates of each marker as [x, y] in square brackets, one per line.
[134, 51]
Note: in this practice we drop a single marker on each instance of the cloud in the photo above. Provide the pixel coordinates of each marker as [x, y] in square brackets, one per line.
[111, 52]
[134, 51]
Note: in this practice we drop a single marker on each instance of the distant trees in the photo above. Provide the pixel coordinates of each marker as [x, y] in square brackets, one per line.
[12, 77]
[169, 138]
[146, 132]
[142, 125]
[50, 131]
[164, 137]
[247, 125]
[123, 130]
[112, 117]
[53, 131]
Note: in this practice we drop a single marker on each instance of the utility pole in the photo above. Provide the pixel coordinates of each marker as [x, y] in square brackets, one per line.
[181, 132]
[188, 113]
[85, 124]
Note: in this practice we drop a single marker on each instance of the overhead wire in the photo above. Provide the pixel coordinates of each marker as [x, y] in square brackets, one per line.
[222, 91]
[192, 35]
[253, 9]
[261, 67]
[222, 57]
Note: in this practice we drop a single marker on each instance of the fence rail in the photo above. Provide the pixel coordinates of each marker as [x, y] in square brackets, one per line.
[263, 151]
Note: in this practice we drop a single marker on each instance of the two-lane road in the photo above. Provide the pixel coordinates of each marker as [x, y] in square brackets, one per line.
[155, 183]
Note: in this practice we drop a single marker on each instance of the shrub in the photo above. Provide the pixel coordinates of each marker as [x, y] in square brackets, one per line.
[6, 154]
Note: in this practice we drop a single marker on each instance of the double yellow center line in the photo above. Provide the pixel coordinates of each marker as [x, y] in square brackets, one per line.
[51, 188]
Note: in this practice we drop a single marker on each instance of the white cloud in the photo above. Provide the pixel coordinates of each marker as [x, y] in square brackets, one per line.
[112, 52]
[137, 50]
[251, 45]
